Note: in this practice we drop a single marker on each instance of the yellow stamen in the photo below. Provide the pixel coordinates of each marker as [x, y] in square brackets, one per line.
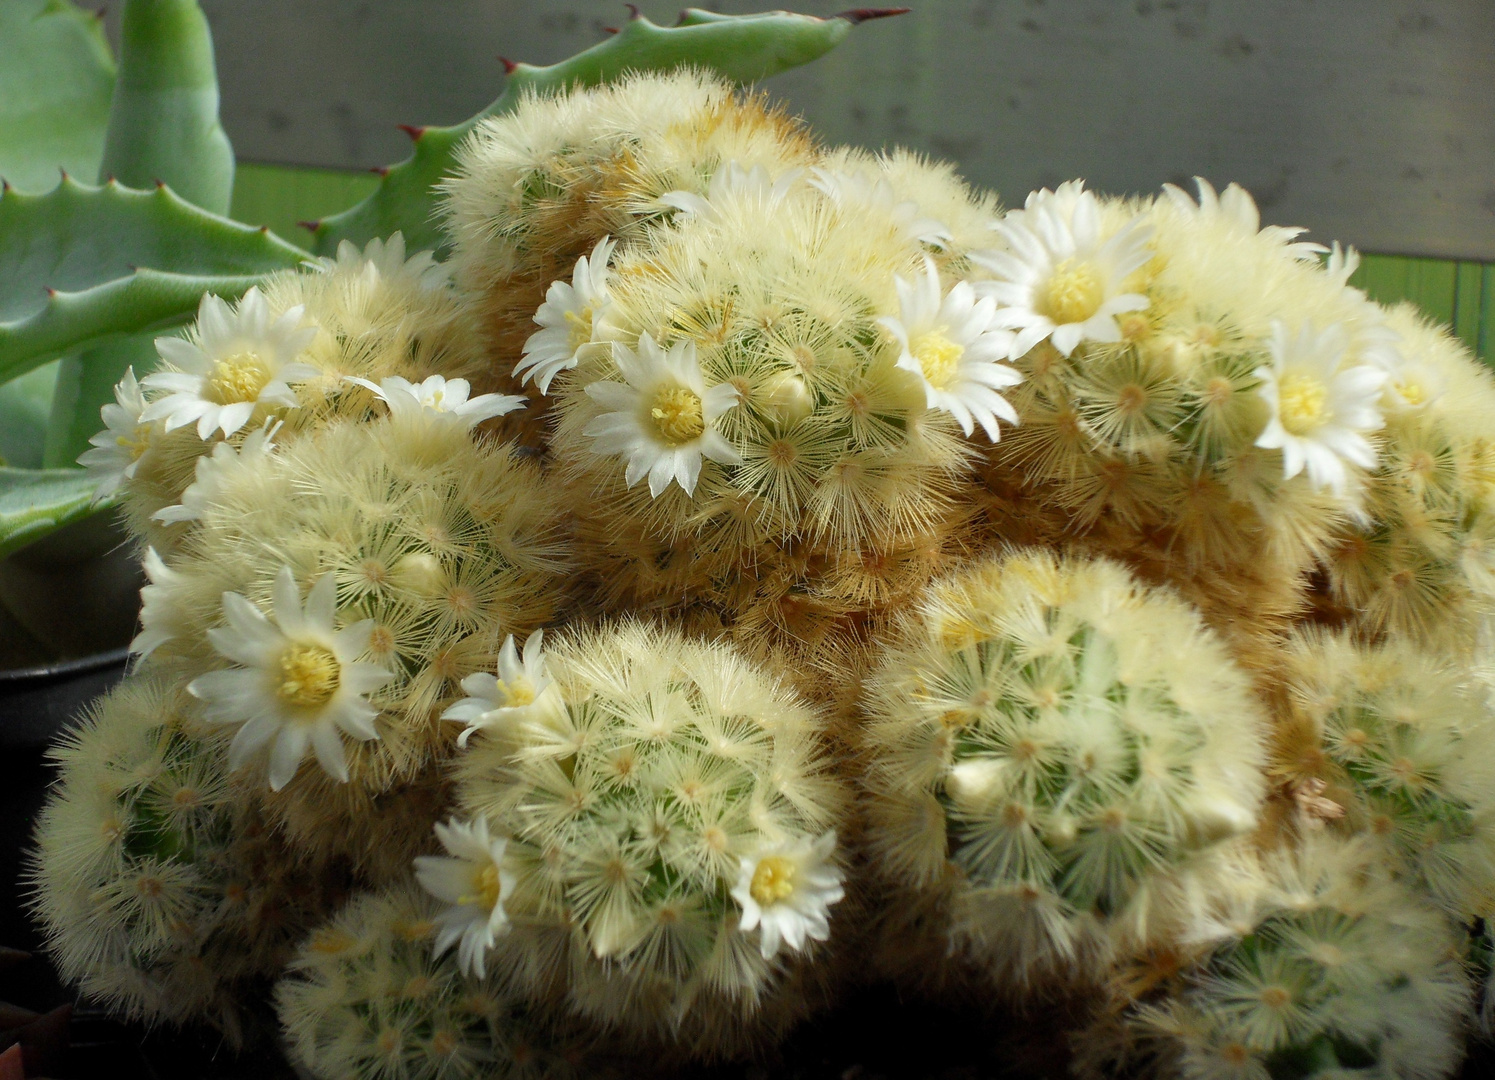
[309, 675]
[517, 694]
[677, 415]
[938, 357]
[137, 442]
[240, 377]
[1302, 402]
[1073, 294]
[580, 323]
[487, 889]
[773, 880]
[1413, 393]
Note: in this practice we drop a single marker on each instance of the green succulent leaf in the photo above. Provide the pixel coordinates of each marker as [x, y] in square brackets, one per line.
[35, 502]
[56, 79]
[163, 124]
[81, 265]
[743, 48]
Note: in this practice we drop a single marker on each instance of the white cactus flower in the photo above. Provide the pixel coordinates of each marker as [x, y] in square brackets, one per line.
[438, 397]
[299, 682]
[574, 315]
[473, 879]
[126, 438]
[732, 183]
[786, 892]
[951, 343]
[520, 690]
[1321, 405]
[858, 191]
[661, 417]
[1060, 278]
[240, 362]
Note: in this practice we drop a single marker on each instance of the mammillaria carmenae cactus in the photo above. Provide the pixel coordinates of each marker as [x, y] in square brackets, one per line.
[1324, 967]
[666, 823]
[1039, 766]
[365, 996]
[752, 552]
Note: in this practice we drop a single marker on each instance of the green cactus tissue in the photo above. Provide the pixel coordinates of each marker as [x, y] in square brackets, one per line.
[747, 568]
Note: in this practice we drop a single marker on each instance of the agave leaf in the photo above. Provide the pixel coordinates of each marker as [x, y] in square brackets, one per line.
[744, 48]
[163, 127]
[68, 266]
[35, 502]
[163, 124]
[56, 78]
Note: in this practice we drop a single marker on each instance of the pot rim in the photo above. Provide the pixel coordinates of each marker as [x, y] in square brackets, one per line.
[61, 669]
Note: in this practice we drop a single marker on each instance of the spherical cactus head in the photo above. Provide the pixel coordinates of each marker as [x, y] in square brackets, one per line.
[327, 602]
[157, 895]
[1333, 968]
[1051, 748]
[669, 853]
[1395, 742]
[366, 996]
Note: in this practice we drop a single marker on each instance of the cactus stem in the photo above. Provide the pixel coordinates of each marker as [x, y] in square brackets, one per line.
[856, 16]
[310, 226]
[414, 131]
[509, 65]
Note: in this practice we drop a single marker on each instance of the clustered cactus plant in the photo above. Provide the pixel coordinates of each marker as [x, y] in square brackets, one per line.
[755, 566]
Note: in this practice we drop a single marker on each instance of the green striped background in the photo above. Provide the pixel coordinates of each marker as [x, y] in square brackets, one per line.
[1459, 293]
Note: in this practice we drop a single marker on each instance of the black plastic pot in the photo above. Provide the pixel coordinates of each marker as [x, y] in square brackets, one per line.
[36, 703]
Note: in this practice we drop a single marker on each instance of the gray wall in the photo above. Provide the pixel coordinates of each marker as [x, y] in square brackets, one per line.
[1371, 121]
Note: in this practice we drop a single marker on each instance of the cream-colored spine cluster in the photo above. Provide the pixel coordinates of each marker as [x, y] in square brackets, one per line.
[1398, 743]
[669, 858]
[365, 997]
[1051, 748]
[1325, 967]
[746, 555]
[1419, 565]
[157, 893]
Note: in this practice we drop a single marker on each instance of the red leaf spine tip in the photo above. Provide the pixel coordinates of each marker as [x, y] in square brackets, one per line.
[4, 185]
[609, 29]
[263, 230]
[509, 65]
[99, 13]
[861, 15]
[159, 183]
[412, 130]
[633, 12]
[65, 176]
[51, 292]
[379, 170]
[310, 226]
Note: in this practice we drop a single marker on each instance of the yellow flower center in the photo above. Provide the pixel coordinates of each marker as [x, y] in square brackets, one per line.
[137, 442]
[240, 377]
[938, 356]
[486, 888]
[517, 694]
[773, 880]
[677, 415]
[1302, 403]
[580, 323]
[1412, 392]
[309, 675]
[1074, 293]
